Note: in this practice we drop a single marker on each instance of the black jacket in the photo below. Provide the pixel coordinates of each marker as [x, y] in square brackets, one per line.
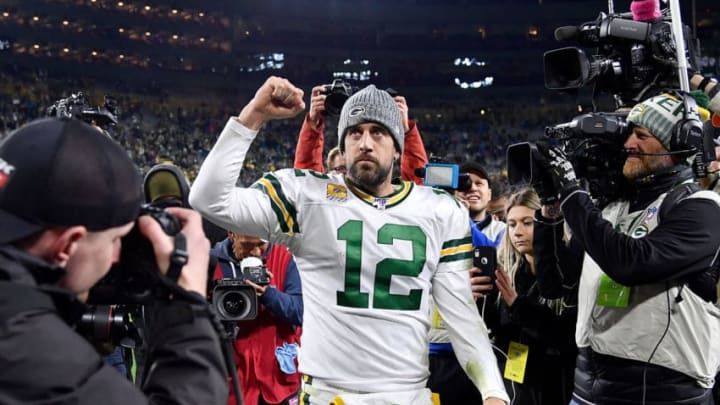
[550, 338]
[683, 246]
[43, 360]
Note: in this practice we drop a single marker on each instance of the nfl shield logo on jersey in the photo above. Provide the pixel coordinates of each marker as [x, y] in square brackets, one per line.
[336, 192]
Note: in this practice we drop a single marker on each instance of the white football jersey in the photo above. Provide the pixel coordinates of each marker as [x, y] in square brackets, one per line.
[367, 266]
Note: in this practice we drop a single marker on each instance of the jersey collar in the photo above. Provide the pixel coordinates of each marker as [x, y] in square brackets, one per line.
[402, 190]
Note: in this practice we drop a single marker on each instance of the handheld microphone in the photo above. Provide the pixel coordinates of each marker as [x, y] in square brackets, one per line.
[645, 10]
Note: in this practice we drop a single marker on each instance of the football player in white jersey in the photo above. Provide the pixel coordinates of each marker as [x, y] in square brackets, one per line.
[370, 253]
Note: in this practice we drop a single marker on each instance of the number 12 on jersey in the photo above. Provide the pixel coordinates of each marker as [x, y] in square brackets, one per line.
[352, 233]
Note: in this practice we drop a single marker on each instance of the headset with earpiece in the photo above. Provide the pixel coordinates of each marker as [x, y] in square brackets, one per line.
[687, 135]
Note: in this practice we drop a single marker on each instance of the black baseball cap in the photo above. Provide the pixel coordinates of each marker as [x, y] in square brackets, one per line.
[476, 168]
[63, 172]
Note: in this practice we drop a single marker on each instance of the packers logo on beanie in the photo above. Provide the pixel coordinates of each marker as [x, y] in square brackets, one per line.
[658, 115]
[371, 105]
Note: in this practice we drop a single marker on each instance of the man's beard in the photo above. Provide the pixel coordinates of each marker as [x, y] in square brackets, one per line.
[646, 165]
[369, 179]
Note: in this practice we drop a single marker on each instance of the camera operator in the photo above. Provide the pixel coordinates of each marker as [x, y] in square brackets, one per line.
[309, 150]
[648, 329]
[61, 224]
[265, 347]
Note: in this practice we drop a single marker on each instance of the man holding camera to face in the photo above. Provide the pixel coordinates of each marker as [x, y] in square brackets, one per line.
[648, 328]
[265, 347]
[327, 100]
[62, 219]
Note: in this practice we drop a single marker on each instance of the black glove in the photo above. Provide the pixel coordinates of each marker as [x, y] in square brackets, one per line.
[561, 173]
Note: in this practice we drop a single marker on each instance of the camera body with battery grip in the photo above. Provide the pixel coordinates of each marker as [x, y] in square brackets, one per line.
[135, 278]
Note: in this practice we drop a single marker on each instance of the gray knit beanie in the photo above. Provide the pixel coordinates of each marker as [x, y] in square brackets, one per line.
[658, 115]
[371, 105]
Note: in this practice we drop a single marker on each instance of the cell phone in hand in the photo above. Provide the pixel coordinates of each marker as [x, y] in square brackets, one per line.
[485, 259]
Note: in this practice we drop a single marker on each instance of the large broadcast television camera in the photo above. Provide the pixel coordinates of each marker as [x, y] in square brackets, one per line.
[593, 143]
[633, 59]
[76, 106]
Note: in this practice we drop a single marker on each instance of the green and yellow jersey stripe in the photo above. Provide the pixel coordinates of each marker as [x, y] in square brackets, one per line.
[283, 209]
[456, 249]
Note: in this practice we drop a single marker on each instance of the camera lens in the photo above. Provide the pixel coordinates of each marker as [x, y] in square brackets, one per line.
[103, 323]
[234, 304]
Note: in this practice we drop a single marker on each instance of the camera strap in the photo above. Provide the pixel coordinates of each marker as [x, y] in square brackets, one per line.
[178, 257]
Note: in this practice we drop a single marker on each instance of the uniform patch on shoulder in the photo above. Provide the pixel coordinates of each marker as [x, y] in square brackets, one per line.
[336, 192]
[651, 213]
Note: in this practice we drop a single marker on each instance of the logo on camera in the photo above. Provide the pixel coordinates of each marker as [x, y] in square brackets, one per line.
[254, 270]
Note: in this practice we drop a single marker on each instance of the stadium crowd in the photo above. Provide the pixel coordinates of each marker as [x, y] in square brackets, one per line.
[156, 129]
[376, 253]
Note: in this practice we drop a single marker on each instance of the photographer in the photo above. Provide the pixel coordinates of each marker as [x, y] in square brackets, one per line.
[648, 329]
[265, 347]
[61, 224]
[309, 150]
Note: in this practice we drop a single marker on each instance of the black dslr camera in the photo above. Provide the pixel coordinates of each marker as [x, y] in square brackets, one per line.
[337, 93]
[135, 279]
[76, 106]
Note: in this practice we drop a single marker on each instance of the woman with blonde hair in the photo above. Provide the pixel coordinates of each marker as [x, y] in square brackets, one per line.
[537, 334]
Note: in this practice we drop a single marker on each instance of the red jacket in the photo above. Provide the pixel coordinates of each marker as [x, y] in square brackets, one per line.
[309, 150]
[257, 341]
